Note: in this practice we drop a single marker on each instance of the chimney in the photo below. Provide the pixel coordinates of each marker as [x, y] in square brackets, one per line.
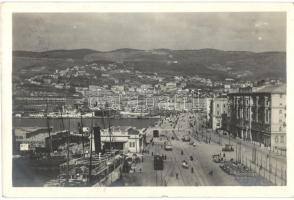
[97, 139]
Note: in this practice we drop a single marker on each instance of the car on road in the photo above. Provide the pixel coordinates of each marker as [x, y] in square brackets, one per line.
[168, 147]
[217, 158]
[228, 147]
[186, 138]
[185, 164]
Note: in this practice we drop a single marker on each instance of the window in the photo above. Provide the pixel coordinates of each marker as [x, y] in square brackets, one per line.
[282, 139]
[217, 105]
[280, 129]
[267, 116]
[281, 111]
[132, 144]
[276, 139]
[217, 112]
[224, 105]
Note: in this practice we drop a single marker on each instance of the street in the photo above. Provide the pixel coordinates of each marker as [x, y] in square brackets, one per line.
[198, 172]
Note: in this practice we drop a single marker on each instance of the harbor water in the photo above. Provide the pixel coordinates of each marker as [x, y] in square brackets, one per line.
[24, 176]
[72, 123]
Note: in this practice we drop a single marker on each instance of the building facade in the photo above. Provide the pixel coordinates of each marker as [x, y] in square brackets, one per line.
[125, 138]
[218, 112]
[259, 115]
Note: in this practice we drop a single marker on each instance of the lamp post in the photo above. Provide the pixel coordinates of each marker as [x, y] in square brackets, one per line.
[198, 98]
[193, 104]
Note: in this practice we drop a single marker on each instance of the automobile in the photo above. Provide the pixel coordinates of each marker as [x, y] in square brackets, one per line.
[168, 147]
[194, 144]
[228, 147]
[186, 138]
[185, 164]
[217, 158]
[191, 143]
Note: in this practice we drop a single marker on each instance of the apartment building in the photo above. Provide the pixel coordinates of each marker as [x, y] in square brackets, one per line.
[218, 112]
[259, 115]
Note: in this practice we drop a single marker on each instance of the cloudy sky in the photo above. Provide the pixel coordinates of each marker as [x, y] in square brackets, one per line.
[227, 31]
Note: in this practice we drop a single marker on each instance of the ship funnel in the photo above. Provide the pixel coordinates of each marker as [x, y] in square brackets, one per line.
[97, 139]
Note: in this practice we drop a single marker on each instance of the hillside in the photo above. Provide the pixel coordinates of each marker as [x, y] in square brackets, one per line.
[210, 63]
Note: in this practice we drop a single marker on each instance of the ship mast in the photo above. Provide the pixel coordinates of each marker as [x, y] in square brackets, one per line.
[48, 127]
[67, 147]
[82, 132]
[109, 130]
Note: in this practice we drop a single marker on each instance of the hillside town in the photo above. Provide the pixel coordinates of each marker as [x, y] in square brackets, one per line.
[148, 99]
[252, 114]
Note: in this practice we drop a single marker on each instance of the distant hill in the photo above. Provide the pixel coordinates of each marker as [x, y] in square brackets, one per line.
[63, 54]
[210, 63]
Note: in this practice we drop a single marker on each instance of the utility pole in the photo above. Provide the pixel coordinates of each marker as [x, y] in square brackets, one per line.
[90, 161]
[198, 99]
[109, 130]
[82, 132]
[49, 131]
[193, 103]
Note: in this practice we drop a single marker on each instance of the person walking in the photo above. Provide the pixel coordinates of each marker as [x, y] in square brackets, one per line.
[192, 170]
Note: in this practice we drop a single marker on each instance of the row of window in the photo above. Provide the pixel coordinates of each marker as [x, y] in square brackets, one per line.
[218, 105]
[282, 139]
[132, 144]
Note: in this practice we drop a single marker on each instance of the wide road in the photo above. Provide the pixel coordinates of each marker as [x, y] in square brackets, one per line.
[174, 174]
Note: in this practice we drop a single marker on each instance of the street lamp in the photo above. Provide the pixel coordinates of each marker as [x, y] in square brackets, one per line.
[198, 98]
[193, 106]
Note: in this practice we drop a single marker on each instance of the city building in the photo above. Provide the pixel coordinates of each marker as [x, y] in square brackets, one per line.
[125, 138]
[203, 105]
[259, 115]
[29, 138]
[218, 112]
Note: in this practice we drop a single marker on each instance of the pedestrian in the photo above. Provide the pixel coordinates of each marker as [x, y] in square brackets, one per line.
[140, 170]
[192, 170]
[182, 153]
[177, 175]
[224, 155]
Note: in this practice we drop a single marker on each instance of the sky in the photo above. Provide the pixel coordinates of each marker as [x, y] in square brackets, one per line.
[257, 32]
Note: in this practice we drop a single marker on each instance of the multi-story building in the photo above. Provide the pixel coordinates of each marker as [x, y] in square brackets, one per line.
[203, 105]
[218, 112]
[259, 115]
